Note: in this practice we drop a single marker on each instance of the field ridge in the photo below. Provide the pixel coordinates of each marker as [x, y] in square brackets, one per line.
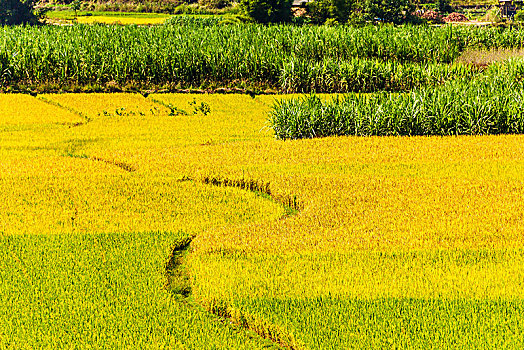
[259, 325]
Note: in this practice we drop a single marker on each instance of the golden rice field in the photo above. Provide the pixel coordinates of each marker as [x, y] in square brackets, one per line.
[378, 242]
[123, 20]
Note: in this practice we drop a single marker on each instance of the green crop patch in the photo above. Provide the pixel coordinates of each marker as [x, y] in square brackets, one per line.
[99, 290]
[333, 323]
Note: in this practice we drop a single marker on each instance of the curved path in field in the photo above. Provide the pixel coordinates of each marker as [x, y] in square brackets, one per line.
[86, 242]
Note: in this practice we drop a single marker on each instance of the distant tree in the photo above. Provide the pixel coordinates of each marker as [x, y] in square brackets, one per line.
[390, 11]
[215, 4]
[17, 12]
[443, 6]
[267, 11]
[76, 5]
[319, 11]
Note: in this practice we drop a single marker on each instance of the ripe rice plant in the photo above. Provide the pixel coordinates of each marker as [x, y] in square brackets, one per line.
[34, 113]
[85, 243]
[395, 241]
[100, 291]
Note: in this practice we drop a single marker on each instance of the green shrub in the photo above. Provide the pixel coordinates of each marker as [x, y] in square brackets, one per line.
[194, 51]
[320, 11]
[390, 11]
[493, 15]
[459, 108]
[331, 22]
[17, 12]
[367, 75]
[214, 4]
[267, 11]
[519, 16]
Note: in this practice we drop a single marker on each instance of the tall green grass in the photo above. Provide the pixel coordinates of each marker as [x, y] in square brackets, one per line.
[196, 21]
[485, 106]
[366, 75]
[191, 53]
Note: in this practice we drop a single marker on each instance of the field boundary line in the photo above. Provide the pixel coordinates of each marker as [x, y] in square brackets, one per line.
[290, 202]
[122, 165]
[85, 117]
[228, 313]
[260, 326]
[179, 283]
[179, 279]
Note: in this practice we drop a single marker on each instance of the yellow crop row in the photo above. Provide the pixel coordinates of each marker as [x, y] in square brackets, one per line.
[120, 20]
[21, 111]
[363, 275]
[103, 203]
[53, 181]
